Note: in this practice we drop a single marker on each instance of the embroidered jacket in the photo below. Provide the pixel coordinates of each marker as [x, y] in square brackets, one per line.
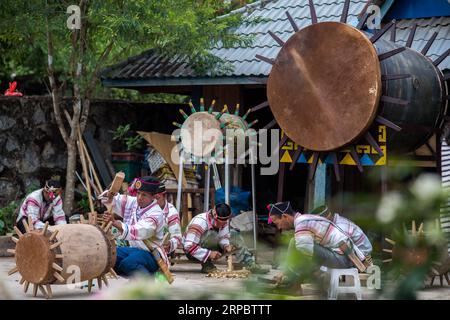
[39, 210]
[200, 224]
[172, 219]
[140, 223]
[311, 229]
[355, 233]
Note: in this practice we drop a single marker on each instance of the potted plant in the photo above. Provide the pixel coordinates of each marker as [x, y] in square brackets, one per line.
[127, 153]
[7, 216]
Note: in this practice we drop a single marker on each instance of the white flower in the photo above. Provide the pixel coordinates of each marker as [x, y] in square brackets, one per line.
[433, 232]
[427, 187]
[390, 204]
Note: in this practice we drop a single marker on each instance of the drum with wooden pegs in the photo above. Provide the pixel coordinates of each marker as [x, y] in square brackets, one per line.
[64, 254]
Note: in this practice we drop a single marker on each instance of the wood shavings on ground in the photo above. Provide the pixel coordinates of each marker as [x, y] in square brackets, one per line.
[235, 274]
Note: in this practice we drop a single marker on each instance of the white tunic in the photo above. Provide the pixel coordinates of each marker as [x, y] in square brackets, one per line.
[355, 233]
[141, 223]
[200, 224]
[172, 218]
[39, 210]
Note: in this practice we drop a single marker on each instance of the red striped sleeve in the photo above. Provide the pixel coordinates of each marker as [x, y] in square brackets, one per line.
[193, 249]
[303, 230]
[195, 229]
[329, 230]
[152, 219]
[360, 239]
[123, 204]
[32, 202]
[133, 232]
[173, 219]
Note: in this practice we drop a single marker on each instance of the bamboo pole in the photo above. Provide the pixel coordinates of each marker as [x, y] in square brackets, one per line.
[91, 165]
[85, 171]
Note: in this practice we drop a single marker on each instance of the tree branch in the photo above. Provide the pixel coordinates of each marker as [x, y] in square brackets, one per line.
[79, 73]
[99, 64]
[56, 97]
[90, 88]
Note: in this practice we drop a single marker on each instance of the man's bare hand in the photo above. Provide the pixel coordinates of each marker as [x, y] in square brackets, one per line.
[228, 248]
[215, 255]
[108, 216]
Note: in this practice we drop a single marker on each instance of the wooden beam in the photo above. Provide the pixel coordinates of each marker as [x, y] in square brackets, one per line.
[281, 174]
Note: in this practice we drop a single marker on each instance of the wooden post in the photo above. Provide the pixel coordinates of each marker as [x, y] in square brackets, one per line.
[190, 205]
[197, 203]
[320, 186]
[185, 210]
[281, 182]
[438, 153]
[230, 263]
[212, 197]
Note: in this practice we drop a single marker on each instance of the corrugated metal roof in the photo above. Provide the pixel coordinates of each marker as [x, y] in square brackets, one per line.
[150, 66]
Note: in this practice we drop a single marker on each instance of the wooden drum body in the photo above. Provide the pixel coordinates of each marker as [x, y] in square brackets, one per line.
[64, 254]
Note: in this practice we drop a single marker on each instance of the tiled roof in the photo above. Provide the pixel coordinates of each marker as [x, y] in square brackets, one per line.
[273, 14]
[424, 31]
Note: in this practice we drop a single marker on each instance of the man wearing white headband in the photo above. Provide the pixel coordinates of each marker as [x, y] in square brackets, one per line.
[43, 205]
[208, 236]
[317, 241]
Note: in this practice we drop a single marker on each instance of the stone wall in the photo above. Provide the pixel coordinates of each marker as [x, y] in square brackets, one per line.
[31, 147]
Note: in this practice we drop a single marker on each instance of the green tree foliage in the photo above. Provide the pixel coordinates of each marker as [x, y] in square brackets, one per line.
[7, 217]
[188, 28]
[106, 32]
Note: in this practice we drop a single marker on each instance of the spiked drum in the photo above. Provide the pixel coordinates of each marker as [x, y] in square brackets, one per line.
[200, 134]
[58, 254]
[330, 82]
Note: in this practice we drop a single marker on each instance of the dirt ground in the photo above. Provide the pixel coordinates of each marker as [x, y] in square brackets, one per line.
[189, 284]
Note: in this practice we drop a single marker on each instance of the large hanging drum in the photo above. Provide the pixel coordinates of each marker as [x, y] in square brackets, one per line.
[423, 93]
[331, 82]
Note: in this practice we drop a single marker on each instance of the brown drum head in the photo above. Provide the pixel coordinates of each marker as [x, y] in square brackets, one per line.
[34, 258]
[200, 133]
[325, 86]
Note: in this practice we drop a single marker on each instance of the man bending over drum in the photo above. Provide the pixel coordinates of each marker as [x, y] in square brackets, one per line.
[143, 219]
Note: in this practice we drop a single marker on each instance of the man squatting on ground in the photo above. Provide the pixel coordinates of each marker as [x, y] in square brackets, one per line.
[317, 242]
[208, 236]
[356, 234]
[42, 205]
[143, 219]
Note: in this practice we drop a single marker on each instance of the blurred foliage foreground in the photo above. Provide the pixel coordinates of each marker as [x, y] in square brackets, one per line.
[414, 252]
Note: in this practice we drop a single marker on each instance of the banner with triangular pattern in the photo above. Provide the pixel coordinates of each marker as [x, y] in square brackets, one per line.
[368, 156]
